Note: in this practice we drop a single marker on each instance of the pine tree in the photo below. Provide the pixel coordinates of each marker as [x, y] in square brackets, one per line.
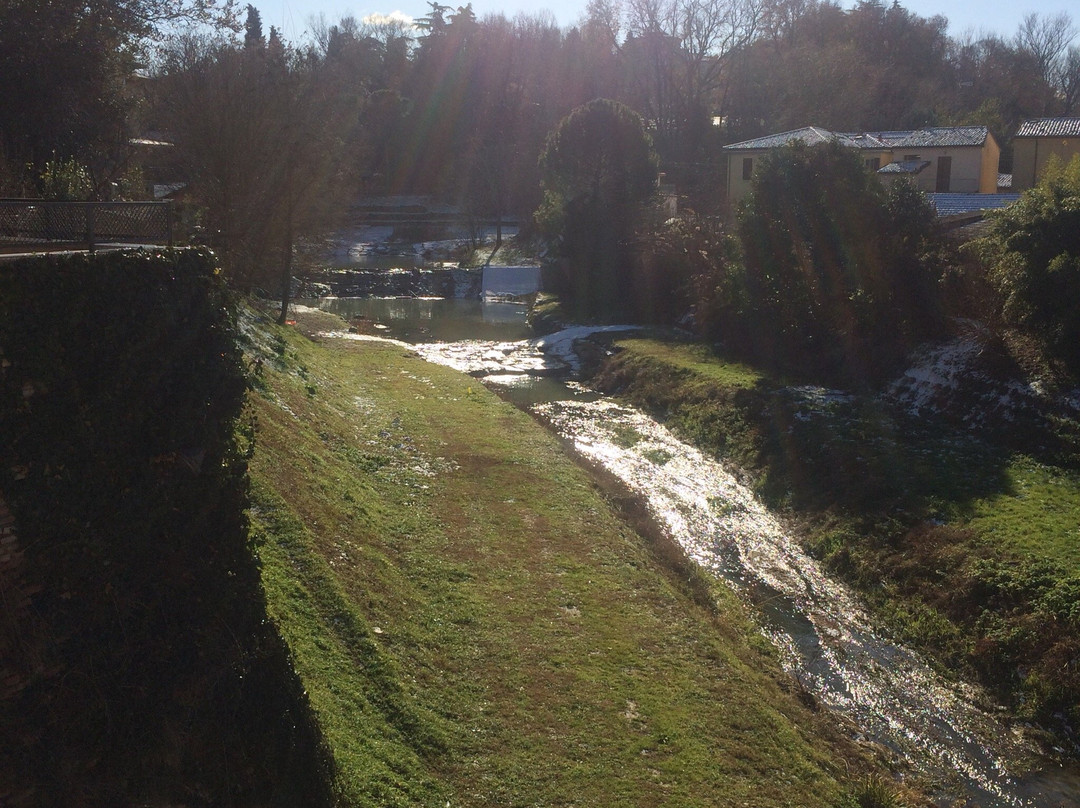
[253, 35]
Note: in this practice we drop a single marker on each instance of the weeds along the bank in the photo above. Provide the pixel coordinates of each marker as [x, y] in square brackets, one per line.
[962, 541]
[473, 623]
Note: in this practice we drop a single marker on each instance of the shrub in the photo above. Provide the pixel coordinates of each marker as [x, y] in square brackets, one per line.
[153, 673]
[598, 170]
[838, 274]
[66, 180]
[687, 264]
[1033, 256]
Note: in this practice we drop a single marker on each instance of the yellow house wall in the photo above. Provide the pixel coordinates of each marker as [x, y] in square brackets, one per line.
[991, 165]
[737, 186]
[974, 168]
[967, 169]
[1031, 154]
[884, 157]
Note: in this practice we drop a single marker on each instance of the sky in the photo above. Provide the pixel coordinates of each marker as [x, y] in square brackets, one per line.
[976, 16]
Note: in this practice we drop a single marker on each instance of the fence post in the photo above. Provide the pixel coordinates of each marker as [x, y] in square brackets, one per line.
[50, 221]
[90, 209]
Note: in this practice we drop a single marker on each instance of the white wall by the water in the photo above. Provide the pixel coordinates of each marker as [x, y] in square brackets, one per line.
[510, 280]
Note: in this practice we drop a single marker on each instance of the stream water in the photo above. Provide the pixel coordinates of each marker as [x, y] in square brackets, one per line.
[948, 734]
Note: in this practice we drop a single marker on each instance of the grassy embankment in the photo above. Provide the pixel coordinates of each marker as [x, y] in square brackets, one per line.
[967, 547]
[473, 624]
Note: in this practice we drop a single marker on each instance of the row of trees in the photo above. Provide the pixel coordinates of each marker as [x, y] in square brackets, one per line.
[71, 86]
[700, 73]
[885, 68]
[460, 106]
[267, 133]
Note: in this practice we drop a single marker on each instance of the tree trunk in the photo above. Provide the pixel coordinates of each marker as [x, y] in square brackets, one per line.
[286, 271]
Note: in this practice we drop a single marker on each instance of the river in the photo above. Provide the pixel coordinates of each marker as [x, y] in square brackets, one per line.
[949, 734]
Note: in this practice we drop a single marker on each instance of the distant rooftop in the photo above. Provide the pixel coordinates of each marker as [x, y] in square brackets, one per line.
[810, 135]
[957, 204]
[936, 136]
[929, 137]
[1050, 127]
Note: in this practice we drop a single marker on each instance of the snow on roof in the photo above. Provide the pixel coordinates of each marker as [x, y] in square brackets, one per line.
[954, 204]
[810, 135]
[936, 137]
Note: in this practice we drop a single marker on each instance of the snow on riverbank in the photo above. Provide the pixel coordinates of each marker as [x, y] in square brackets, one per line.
[967, 381]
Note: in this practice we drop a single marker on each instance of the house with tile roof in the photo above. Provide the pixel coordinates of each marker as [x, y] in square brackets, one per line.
[953, 159]
[1034, 144]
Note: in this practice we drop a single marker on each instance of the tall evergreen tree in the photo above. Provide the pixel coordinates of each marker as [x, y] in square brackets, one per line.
[598, 171]
[253, 33]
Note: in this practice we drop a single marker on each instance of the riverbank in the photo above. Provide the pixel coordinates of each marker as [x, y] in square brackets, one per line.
[474, 624]
[951, 509]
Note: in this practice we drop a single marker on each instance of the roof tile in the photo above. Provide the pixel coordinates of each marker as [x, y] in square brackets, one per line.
[954, 204]
[810, 135]
[904, 167]
[930, 137]
[1050, 127]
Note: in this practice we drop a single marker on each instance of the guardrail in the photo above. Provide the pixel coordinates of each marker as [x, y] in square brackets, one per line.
[42, 223]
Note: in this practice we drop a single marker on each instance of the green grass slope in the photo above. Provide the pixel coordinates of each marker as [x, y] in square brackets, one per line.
[475, 626]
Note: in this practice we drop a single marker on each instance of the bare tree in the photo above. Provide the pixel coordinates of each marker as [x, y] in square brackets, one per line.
[386, 28]
[262, 132]
[684, 48]
[780, 19]
[603, 19]
[1046, 39]
[1070, 81]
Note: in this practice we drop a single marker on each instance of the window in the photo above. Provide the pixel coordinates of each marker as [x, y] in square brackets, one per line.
[910, 158]
[873, 163]
[747, 167]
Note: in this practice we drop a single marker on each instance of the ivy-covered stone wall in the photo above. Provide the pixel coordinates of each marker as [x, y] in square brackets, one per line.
[141, 668]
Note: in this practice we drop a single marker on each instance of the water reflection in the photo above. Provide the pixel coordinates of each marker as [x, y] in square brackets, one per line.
[435, 319]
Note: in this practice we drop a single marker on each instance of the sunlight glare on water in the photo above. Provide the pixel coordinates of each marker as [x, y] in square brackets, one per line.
[825, 637]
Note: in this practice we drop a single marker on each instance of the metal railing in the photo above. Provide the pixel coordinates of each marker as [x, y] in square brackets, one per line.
[42, 223]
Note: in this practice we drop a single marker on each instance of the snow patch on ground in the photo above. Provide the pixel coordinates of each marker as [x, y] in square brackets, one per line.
[352, 335]
[962, 380]
[938, 371]
[561, 343]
